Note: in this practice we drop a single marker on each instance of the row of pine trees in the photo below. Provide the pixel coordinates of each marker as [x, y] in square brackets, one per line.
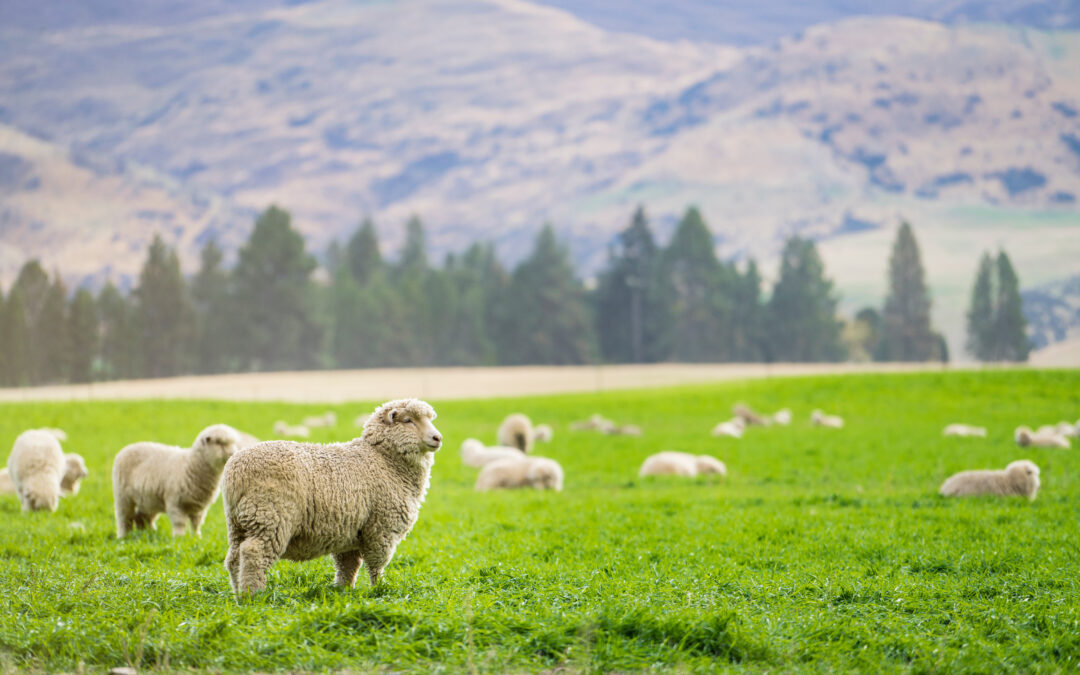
[650, 303]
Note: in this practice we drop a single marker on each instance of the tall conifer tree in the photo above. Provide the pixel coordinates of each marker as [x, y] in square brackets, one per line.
[85, 336]
[906, 334]
[801, 314]
[164, 314]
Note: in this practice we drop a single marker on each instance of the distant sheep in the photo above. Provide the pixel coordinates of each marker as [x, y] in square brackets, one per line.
[1060, 429]
[540, 473]
[749, 416]
[517, 431]
[543, 433]
[151, 478]
[624, 430]
[473, 453]
[284, 429]
[354, 501]
[595, 422]
[672, 463]
[732, 428]
[1019, 478]
[36, 468]
[964, 431]
[327, 419]
[782, 417]
[1025, 437]
[820, 419]
[74, 471]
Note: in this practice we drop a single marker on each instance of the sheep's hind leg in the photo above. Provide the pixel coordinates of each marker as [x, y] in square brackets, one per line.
[125, 516]
[347, 564]
[256, 556]
[197, 519]
[376, 559]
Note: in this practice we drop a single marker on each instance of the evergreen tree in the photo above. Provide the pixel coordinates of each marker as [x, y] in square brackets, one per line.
[51, 337]
[163, 313]
[699, 294]
[466, 339]
[631, 316]
[274, 320]
[15, 339]
[362, 253]
[85, 338]
[980, 315]
[33, 286]
[748, 317]
[418, 287]
[213, 311]
[1009, 323]
[801, 314]
[119, 340]
[547, 318]
[906, 334]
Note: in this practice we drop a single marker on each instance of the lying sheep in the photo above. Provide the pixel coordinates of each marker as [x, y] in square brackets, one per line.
[327, 419]
[151, 478]
[1026, 437]
[820, 419]
[473, 453]
[624, 430]
[1060, 429]
[964, 431]
[355, 501]
[595, 422]
[1019, 478]
[749, 417]
[517, 431]
[36, 469]
[540, 473]
[282, 428]
[74, 471]
[733, 428]
[782, 417]
[543, 433]
[670, 463]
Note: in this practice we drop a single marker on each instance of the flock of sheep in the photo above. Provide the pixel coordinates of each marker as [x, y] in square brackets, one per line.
[356, 501]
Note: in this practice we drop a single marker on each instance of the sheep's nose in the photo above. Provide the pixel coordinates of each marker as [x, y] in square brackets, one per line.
[437, 438]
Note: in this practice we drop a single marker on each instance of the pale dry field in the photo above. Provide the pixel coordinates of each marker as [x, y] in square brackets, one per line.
[439, 383]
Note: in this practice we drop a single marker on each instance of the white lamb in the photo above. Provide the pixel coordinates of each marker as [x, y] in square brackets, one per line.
[327, 419]
[151, 478]
[540, 473]
[473, 453]
[1019, 478]
[732, 428]
[1026, 437]
[820, 419]
[517, 431]
[964, 431]
[74, 471]
[354, 501]
[36, 468]
[282, 428]
[670, 463]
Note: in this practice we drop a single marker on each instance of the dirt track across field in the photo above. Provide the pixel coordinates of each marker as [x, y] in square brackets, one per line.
[435, 383]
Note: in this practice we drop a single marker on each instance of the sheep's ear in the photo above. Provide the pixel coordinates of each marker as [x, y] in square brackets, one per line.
[392, 415]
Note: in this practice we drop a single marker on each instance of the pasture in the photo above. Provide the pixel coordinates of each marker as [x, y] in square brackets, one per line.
[823, 549]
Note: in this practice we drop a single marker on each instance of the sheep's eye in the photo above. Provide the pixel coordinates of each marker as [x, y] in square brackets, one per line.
[406, 420]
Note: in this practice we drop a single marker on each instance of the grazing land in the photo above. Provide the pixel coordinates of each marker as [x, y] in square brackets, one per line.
[823, 549]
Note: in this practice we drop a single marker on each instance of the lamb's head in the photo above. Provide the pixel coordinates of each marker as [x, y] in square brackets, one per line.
[817, 415]
[1023, 436]
[544, 474]
[708, 464]
[216, 444]
[74, 471]
[1025, 474]
[405, 427]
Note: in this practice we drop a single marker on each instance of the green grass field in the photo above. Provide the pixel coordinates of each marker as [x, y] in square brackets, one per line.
[823, 550]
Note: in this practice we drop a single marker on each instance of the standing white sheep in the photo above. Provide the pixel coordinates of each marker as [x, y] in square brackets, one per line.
[473, 453]
[671, 463]
[152, 478]
[517, 431]
[820, 419]
[540, 473]
[36, 468]
[1026, 437]
[964, 431]
[354, 501]
[1019, 478]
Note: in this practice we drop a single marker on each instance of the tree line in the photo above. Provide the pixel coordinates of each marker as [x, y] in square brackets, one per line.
[650, 303]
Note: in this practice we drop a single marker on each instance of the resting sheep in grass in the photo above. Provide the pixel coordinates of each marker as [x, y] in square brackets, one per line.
[624, 430]
[151, 478]
[595, 422]
[1019, 478]
[517, 431]
[540, 473]
[327, 419]
[543, 433]
[1026, 437]
[820, 419]
[964, 431]
[733, 428]
[473, 453]
[749, 416]
[672, 463]
[36, 469]
[282, 428]
[355, 501]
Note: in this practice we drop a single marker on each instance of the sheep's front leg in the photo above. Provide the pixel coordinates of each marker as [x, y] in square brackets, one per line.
[179, 519]
[256, 556]
[347, 564]
[376, 558]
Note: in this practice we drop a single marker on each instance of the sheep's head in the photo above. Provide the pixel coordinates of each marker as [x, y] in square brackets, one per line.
[545, 474]
[74, 471]
[216, 444]
[1023, 436]
[543, 432]
[404, 426]
[1026, 474]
